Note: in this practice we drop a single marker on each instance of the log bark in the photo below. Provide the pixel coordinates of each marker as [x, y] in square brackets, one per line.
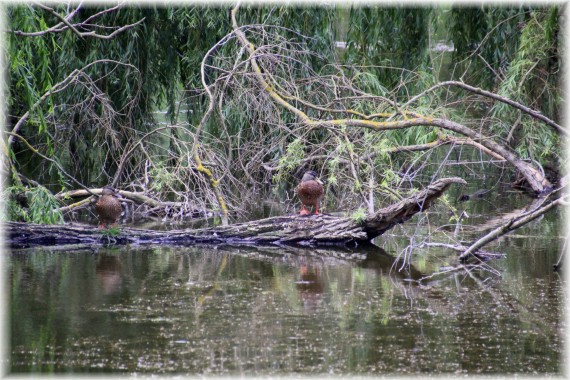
[312, 230]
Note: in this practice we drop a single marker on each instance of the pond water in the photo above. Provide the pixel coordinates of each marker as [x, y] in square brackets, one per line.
[268, 311]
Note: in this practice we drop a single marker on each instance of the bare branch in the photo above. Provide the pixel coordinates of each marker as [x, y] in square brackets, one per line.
[57, 88]
[114, 34]
[65, 24]
[533, 113]
[34, 150]
[63, 19]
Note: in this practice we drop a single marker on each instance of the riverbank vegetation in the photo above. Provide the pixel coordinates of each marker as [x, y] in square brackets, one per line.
[197, 111]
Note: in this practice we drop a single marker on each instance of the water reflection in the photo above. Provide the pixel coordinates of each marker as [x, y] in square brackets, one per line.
[310, 287]
[108, 271]
[272, 311]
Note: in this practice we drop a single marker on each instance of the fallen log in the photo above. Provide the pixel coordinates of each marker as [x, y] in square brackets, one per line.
[312, 230]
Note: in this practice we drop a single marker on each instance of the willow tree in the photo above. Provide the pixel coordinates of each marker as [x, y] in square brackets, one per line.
[259, 114]
[279, 87]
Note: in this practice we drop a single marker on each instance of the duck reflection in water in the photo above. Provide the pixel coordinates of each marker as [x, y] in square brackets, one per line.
[108, 271]
[310, 287]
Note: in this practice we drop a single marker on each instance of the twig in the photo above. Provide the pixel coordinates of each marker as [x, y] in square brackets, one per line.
[63, 19]
[59, 87]
[34, 150]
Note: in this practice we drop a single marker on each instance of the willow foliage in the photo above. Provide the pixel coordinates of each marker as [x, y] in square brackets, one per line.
[533, 78]
[390, 42]
[155, 66]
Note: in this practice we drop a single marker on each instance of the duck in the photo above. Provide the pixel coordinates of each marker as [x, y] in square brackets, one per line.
[310, 191]
[108, 207]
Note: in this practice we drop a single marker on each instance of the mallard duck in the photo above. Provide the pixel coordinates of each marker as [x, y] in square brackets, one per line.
[310, 191]
[108, 207]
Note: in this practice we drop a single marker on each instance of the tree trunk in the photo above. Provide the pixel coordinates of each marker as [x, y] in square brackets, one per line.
[313, 230]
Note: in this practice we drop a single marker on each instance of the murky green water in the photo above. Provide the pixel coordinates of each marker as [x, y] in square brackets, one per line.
[269, 311]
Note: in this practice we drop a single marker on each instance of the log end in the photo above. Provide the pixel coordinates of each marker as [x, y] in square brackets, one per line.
[385, 218]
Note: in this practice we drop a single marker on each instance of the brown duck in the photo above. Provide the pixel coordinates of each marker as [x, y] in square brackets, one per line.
[108, 207]
[310, 191]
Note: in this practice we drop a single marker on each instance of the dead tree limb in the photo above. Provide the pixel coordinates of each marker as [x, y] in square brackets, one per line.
[135, 197]
[314, 230]
[446, 140]
[144, 205]
[534, 177]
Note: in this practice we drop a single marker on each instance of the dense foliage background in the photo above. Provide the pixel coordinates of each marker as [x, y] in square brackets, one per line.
[148, 76]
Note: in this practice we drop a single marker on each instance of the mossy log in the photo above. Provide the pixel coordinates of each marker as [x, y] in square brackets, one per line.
[312, 230]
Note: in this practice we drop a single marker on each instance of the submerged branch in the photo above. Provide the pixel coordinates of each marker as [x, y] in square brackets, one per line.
[511, 225]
